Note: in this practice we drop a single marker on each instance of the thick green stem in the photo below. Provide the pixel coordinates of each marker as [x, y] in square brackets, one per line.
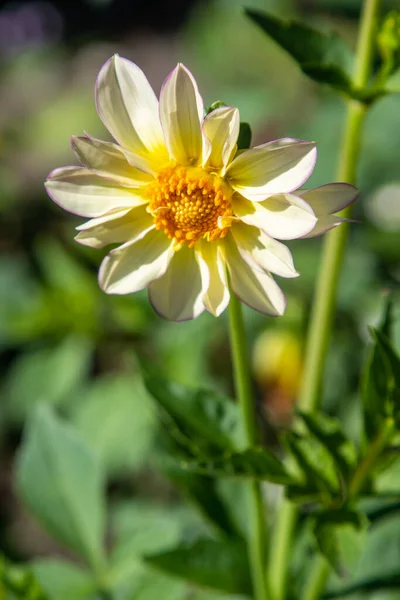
[324, 303]
[257, 530]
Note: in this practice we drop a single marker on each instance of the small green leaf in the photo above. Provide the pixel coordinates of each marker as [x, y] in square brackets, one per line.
[322, 56]
[60, 481]
[366, 586]
[375, 391]
[245, 135]
[208, 418]
[254, 463]
[329, 432]
[63, 581]
[212, 564]
[214, 106]
[202, 491]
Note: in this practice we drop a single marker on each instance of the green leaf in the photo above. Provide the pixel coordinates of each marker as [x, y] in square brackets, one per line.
[128, 439]
[245, 135]
[329, 433]
[212, 564]
[62, 580]
[156, 585]
[254, 463]
[366, 586]
[61, 482]
[18, 582]
[211, 420]
[322, 56]
[50, 375]
[202, 491]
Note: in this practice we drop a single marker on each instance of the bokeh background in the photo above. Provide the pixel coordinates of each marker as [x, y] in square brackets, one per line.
[65, 343]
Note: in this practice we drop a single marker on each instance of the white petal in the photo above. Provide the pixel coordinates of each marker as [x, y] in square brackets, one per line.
[107, 160]
[181, 113]
[263, 252]
[324, 224]
[115, 228]
[133, 266]
[213, 268]
[221, 127]
[128, 106]
[178, 294]
[83, 193]
[274, 168]
[255, 288]
[284, 216]
[330, 198]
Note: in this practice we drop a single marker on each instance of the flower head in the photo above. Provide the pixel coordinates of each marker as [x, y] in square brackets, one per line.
[183, 204]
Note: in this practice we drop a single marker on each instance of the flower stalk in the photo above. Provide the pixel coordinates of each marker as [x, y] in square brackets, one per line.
[257, 531]
[325, 301]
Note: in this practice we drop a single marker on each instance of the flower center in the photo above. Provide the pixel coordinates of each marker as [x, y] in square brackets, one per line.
[189, 204]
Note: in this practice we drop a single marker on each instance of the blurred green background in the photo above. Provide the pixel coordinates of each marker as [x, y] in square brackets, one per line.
[64, 343]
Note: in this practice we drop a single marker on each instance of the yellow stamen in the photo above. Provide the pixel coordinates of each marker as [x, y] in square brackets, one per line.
[189, 204]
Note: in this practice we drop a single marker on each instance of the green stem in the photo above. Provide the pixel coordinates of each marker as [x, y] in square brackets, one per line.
[325, 300]
[317, 580]
[257, 533]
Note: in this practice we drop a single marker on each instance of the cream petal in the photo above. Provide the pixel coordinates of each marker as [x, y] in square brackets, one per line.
[221, 127]
[115, 228]
[325, 223]
[277, 167]
[181, 113]
[330, 198]
[212, 267]
[107, 160]
[263, 252]
[128, 106]
[283, 216]
[255, 288]
[178, 294]
[133, 266]
[83, 193]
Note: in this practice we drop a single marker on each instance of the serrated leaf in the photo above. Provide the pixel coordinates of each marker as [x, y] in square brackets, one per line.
[210, 419]
[60, 481]
[61, 580]
[254, 463]
[329, 432]
[201, 490]
[212, 564]
[322, 56]
[375, 391]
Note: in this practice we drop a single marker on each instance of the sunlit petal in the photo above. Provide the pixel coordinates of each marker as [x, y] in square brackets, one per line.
[83, 193]
[330, 198]
[181, 113]
[133, 266]
[221, 127]
[213, 268]
[277, 167]
[178, 294]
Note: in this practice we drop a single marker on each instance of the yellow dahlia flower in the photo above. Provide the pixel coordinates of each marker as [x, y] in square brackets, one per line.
[184, 204]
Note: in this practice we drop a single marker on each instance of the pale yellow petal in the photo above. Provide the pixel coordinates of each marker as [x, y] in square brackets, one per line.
[283, 216]
[115, 228]
[330, 198]
[83, 193]
[133, 266]
[108, 160]
[181, 113]
[274, 168]
[213, 268]
[178, 294]
[221, 127]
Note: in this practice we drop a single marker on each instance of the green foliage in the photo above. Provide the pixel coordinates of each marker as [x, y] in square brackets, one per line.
[60, 481]
[19, 583]
[48, 375]
[208, 563]
[254, 463]
[322, 56]
[245, 135]
[61, 580]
